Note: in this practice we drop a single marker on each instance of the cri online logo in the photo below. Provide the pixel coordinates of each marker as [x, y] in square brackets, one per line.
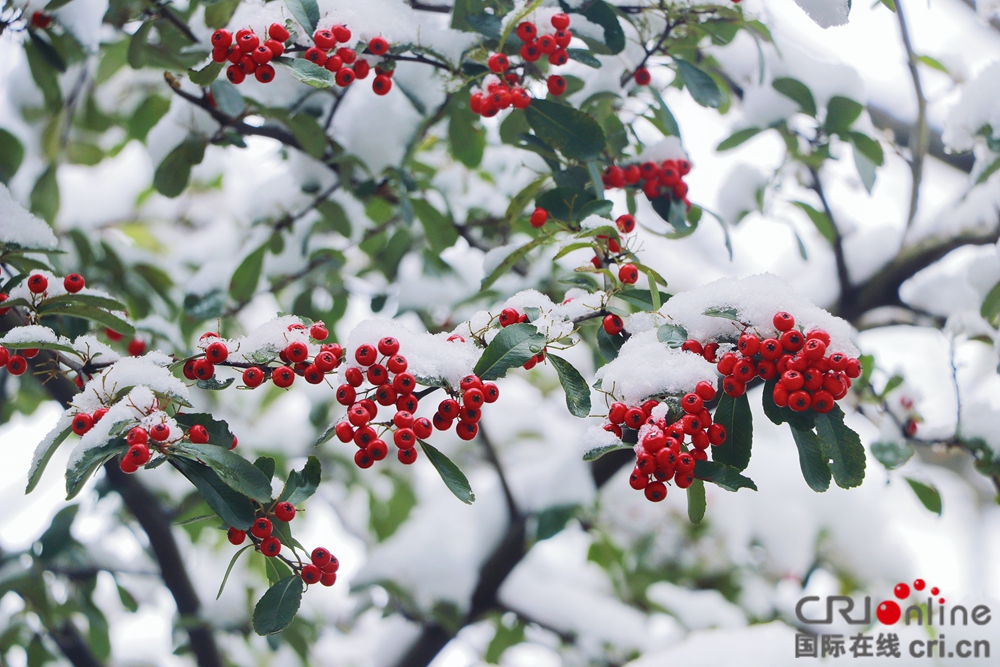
[889, 612]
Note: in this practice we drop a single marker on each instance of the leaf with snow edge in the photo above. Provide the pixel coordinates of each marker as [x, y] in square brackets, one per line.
[513, 346]
[841, 112]
[819, 219]
[927, 494]
[229, 569]
[734, 414]
[278, 606]
[866, 169]
[815, 469]
[218, 430]
[722, 475]
[39, 345]
[238, 473]
[93, 458]
[737, 138]
[46, 448]
[892, 454]
[989, 171]
[696, 500]
[102, 317]
[92, 300]
[603, 14]
[580, 245]
[672, 334]
[642, 298]
[212, 384]
[598, 207]
[207, 74]
[585, 57]
[575, 387]
[703, 88]
[306, 12]
[798, 92]
[842, 448]
[243, 285]
[598, 452]
[233, 508]
[453, 477]
[510, 260]
[301, 485]
[867, 146]
[307, 72]
[727, 313]
[327, 434]
[608, 345]
[990, 309]
[666, 119]
[573, 133]
[828, 13]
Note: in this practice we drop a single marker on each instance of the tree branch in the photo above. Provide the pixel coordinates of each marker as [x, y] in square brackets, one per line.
[920, 130]
[843, 277]
[72, 644]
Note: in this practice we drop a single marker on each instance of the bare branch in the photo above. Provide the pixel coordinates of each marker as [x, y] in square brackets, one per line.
[918, 147]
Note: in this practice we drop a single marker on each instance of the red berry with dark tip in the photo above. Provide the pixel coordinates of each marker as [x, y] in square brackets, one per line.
[284, 511]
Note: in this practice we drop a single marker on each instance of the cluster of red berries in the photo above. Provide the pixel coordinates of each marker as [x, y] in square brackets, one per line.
[139, 439]
[16, 364]
[247, 54]
[343, 61]
[136, 347]
[627, 273]
[668, 451]
[324, 565]
[808, 375]
[509, 316]
[38, 284]
[508, 92]
[655, 180]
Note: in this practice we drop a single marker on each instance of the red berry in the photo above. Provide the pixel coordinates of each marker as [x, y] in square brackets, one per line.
[364, 436]
[626, 223]
[539, 217]
[563, 38]
[333, 64]
[628, 274]
[716, 434]
[406, 456]
[247, 41]
[278, 32]
[638, 480]
[767, 370]
[346, 394]
[692, 403]
[822, 401]
[642, 76]
[560, 21]
[388, 346]
[325, 361]
[82, 423]
[321, 557]
[497, 63]
[655, 491]
[748, 345]
[311, 574]
[262, 55]
[799, 400]
[328, 578]
[473, 398]
[379, 46]
[441, 422]
[559, 57]
[217, 352]
[705, 389]
[692, 345]
[354, 376]
[491, 392]
[634, 418]
[37, 283]
[404, 438]
[261, 527]
[344, 431]
[556, 85]
[407, 402]
[284, 511]
[347, 55]
[783, 321]
[510, 316]
[853, 368]
[422, 427]
[324, 39]
[377, 374]
[342, 34]
[526, 31]
[733, 387]
[127, 465]
[792, 341]
[449, 408]
[264, 73]
[236, 536]
[547, 44]
[396, 363]
[283, 377]
[198, 434]
[386, 395]
[466, 430]
[73, 283]
[270, 547]
[365, 354]
[531, 51]
[814, 349]
[382, 84]
[159, 432]
[744, 370]
[139, 454]
[235, 74]
[297, 351]
[404, 383]
[613, 325]
[363, 459]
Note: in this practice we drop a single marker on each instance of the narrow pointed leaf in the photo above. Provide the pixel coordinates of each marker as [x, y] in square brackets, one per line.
[453, 477]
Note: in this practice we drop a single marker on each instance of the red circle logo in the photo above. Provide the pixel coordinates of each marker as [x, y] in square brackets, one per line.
[888, 612]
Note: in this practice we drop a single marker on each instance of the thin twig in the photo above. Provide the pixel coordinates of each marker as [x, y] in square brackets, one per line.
[918, 147]
[491, 456]
[846, 290]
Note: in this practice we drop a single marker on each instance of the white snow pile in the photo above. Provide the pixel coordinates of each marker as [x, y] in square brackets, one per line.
[267, 340]
[151, 371]
[646, 367]
[669, 148]
[554, 321]
[756, 299]
[90, 347]
[428, 356]
[826, 13]
[19, 227]
[32, 333]
[978, 106]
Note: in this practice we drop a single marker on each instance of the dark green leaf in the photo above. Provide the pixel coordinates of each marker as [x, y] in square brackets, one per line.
[174, 172]
[503, 639]
[868, 147]
[513, 346]
[102, 317]
[36, 472]
[641, 298]
[438, 228]
[815, 468]
[91, 300]
[510, 260]
[819, 219]
[513, 126]
[585, 57]
[244, 282]
[552, 520]
[564, 203]
[44, 199]
[229, 569]
[990, 309]
[696, 500]
[278, 606]
[986, 173]
[11, 155]
[771, 409]
[734, 414]
[385, 517]
[238, 473]
[599, 207]
[301, 485]
[466, 135]
[80, 471]
[47, 51]
[672, 334]
[737, 138]
[663, 115]
[892, 454]
[127, 599]
[927, 494]
[842, 447]
[608, 345]
[307, 72]
[57, 536]
[573, 133]
[307, 131]
[841, 113]
[798, 92]
[598, 452]
[703, 88]
[266, 465]
[214, 384]
[334, 218]
[46, 77]
[227, 98]
[233, 508]
[604, 15]
[218, 430]
[577, 391]
[453, 478]
[207, 74]
[306, 12]
[722, 475]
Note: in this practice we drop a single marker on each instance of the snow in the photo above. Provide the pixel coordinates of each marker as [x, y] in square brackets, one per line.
[65, 420]
[958, 282]
[668, 148]
[32, 333]
[149, 371]
[20, 227]
[826, 13]
[646, 367]
[977, 107]
[697, 609]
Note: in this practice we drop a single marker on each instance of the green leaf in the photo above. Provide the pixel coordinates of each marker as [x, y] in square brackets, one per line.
[892, 454]
[174, 172]
[722, 475]
[127, 599]
[986, 173]
[841, 113]
[307, 72]
[866, 169]
[46, 77]
[703, 88]
[57, 536]
[453, 478]
[642, 298]
[503, 639]
[214, 384]
[229, 569]
[278, 606]
[44, 199]
[608, 345]
[771, 409]
[573, 133]
[11, 155]
[927, 494]
[663, 115]
[207, 74]
[47, 51]
[301, 485]
[334, 218]
[696, 500]
[306, 12]
[552, 520]
[218, 431]
[91, 300]
[598, 452]
[734, 414]
[603, 14]
[867, 146]
[266, 465]
[102, 317]
[510, 260]
[233, 508]
[227, 98]
[238, 473]
[584, 56]
[673, 335]
[513, 346]
[842, 447]
[439, 229]
[307, 131]
[728, 313]
[80, 471]
[466, 135]
[737, 138]
[385, 517]
[36, 472]
[990, 310]
[798, 92]
[815, 469]
[243, 285]
[819, 219]
[564, 203]
[893, 382]
[80, 152]
[577, 391]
